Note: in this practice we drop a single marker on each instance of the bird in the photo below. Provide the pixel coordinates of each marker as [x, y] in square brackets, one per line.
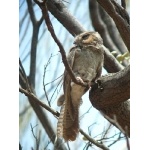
[86, 59]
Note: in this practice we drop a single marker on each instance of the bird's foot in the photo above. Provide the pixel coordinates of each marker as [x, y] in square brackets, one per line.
[80, 80]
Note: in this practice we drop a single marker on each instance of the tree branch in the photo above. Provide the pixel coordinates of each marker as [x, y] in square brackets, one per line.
[43, 7]
[56, 114]
[111, 98]
[36, 25]
[113, 31]
[59, 10]
[100, 26]
[111, 64]
[37, 140]
[31, 11]
[121, 11]
[34, 98]
[121, 24]
[39, 112]
[116, 89]
[123, 4]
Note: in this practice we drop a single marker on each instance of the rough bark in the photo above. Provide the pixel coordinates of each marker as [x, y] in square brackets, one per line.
[111, 97]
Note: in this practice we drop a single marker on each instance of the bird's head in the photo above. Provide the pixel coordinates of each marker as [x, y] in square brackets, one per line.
[88, 38]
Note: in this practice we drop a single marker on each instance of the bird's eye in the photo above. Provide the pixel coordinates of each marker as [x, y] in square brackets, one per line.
[84, 37]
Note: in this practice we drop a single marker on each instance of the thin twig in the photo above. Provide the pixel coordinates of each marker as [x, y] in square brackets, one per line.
[108, 138]
[68, 146]
[94, 141]
[47, 145]
[88, 145]
[86, 112]
[90, 127]
[54, 91]
[43, 95]
[115, 140]
[106, 132]
[36, 139]
[44, 85]
[115, 122]
[127, 141]
[54, 80]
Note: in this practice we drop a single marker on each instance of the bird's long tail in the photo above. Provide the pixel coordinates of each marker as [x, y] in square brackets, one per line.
[67, 127]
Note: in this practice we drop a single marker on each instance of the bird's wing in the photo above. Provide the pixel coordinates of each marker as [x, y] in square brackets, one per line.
[68, 120]
[67, 83]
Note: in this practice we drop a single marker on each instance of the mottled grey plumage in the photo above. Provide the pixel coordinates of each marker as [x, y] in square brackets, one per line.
[86, 60]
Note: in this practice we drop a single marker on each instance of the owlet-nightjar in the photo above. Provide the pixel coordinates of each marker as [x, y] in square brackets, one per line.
[86, 60]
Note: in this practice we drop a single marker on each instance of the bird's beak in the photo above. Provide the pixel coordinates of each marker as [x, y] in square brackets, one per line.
[75, 41]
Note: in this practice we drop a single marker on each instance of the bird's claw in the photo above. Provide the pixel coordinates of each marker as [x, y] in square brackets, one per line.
[80, 80]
